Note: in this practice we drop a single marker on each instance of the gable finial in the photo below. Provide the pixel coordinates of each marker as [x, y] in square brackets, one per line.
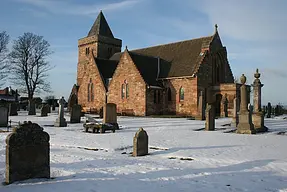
[216, 26]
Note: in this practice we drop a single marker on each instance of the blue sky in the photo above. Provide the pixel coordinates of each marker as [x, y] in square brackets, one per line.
[254, 32]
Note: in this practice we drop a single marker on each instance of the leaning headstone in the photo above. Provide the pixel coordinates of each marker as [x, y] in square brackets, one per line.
[13, 108]
[61, 121]
[45, 110]
[3, 116]
[245, 125]
[210, 117]
[269, 110]
[27, 153]
[110, 114]
[32, 107]
[75, 114]
[140, 143]
[258, 114]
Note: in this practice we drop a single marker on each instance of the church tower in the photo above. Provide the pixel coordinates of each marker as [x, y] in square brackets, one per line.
[100, 41]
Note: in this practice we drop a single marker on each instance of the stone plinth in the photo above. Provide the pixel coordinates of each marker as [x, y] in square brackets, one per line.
[27, 153]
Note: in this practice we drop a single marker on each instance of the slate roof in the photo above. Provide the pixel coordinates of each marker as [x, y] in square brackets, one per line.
[106, 67]
[101, 27]
[183, 58]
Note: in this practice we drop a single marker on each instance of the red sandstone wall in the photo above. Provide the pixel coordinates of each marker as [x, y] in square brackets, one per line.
[127, 72]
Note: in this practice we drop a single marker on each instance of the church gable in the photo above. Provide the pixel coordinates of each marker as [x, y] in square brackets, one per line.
[128, 88]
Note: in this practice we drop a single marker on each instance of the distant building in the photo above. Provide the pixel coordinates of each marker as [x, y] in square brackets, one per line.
[163, 79]
[8, 95]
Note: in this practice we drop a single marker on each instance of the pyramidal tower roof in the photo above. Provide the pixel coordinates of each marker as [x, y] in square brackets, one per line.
[101, 27]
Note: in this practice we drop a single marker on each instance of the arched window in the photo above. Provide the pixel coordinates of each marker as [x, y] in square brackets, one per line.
[92, 92]
[169, 94]
[127, 90]
[89, 92]
[123, 91]
[217, 71]
[181, 94]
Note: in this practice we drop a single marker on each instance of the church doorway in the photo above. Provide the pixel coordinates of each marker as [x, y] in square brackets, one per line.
[218, 105]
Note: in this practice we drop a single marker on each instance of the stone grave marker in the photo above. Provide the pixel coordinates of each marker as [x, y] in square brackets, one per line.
[245, 125]
[27, 153]
[45, 110]
[61, 121]
[75, 114]
[210, 117]
[269, 110]
[140, 143]
[110, 114]
[32, 108]
[13, 108]
[3, 116]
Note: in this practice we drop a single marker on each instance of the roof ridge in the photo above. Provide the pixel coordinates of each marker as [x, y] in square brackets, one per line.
[210, 36]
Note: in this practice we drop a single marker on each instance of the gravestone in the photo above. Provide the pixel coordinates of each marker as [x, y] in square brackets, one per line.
[210, 117]
[235, 111]
[110, 114]
[140, 143]
[61, 121]
[200, 108]
[3, 116]
[27, 153]
[245, 125]
[257, 114]
[32, 107]
[53, 107]
[269, 110]
[75, 114]
[49, 108]
[13, 108]
[45, 110]
[225, 106]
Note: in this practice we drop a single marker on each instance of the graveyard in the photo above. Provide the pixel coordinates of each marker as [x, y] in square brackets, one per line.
[182, 156]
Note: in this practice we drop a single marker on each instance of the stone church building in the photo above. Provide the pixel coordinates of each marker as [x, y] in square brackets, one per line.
[164, 79]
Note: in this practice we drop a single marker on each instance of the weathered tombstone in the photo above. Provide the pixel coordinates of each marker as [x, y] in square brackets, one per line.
[269, 110]
[245, 125]
[45, 110]
[258, 114]
[110, 114]
[75, 114]
[3, 116]
[32, 107]
[61, 121]
[200, 108]
[235, 111]
[210, 117]
[27, 153]
[13, 107]
[140, 143]
[73, 100]
[48, 108]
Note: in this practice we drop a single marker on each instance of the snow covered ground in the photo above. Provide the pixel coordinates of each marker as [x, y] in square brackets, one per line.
[101, 162]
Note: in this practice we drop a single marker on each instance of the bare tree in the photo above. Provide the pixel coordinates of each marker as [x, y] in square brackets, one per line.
[29, 65]
[4, 40]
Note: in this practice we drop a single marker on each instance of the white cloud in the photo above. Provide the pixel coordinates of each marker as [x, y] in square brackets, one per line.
[63, 7]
